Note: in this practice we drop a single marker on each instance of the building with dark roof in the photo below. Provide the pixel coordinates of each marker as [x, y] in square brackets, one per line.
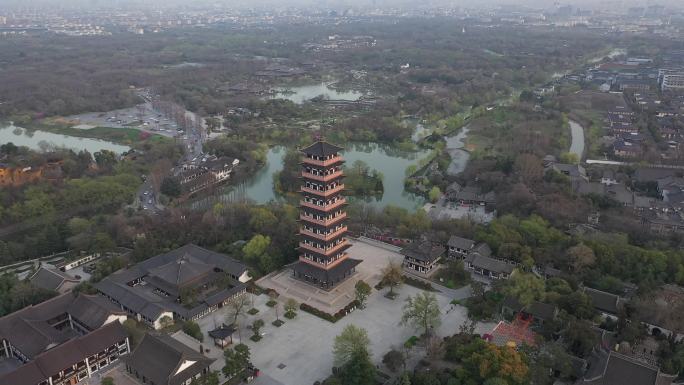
[618, 369]
[488, 266]
[459, 247]
[161, 360]
[53, 279]
[607, 304]
[60, 341]
[323, 259]
[539, 312]
[183, 284]
[422, 257]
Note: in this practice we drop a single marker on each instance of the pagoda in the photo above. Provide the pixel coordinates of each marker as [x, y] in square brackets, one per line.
[323, 260]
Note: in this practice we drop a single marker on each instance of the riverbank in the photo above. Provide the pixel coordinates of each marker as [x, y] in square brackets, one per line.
[41, 140]
[123, 136]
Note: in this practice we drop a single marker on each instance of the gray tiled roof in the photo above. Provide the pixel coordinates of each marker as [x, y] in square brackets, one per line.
[603, 301]
[158, 357]
[187, 265]
[51, 362]
[461, 243]
[29, 331]
[492, 264]
[322, 149]
[483, 249]
[50, 279]
[423, 251]
[622, 370]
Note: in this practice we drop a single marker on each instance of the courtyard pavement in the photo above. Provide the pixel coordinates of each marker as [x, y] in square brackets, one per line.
[300, 351]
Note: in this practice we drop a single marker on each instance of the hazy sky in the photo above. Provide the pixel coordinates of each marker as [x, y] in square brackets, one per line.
[342, 3]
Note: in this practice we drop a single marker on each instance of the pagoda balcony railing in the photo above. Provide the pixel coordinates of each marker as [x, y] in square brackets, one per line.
[323, 163]
[322, 178]
[326, 207]
[328, 252]
[323, 265]
[324, 193]
[323, 222]
[324, 237]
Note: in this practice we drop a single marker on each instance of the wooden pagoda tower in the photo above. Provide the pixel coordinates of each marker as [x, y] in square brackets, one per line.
[323, 260]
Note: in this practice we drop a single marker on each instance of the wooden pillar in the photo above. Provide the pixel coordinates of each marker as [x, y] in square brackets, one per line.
[90, 373]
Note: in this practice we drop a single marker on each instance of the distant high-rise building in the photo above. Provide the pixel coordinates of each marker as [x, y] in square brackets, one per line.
[3, 20]
[323, 260]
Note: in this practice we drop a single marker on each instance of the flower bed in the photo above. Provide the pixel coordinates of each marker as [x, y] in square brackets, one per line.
[252, 311]
[255, 338]
[290, 314]
[271, 303]
[278, 323]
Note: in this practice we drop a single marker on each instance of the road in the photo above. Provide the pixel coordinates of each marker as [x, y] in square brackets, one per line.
[192, 139]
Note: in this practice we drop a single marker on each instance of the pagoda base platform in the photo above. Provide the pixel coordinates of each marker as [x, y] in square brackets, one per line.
[375, 256]
[322, 278]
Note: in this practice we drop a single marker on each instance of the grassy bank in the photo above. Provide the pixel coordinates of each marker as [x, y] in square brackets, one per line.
[127, 136]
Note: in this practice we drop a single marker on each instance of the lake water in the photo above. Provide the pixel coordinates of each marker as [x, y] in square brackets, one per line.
[459, 156]
[302, 94]
[42, 140]
[390, 162]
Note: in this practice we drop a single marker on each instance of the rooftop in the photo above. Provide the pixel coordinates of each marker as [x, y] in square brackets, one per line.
[322, 148]
[165, 361]
[423, 251]
[51, 362]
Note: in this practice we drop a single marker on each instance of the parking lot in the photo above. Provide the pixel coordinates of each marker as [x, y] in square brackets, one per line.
[152, 121]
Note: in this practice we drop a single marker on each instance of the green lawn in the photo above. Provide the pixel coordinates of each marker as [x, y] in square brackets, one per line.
[126, 136]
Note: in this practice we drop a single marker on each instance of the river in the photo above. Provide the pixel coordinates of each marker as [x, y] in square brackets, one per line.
[392, 163]
[459, 155]
[577, 133]
[42, 140]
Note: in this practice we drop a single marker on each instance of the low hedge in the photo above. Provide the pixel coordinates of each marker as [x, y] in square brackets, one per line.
[415, 282]
[330, 317]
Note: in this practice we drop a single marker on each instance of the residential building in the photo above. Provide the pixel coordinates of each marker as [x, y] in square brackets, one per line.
[162, 360]
[196, 176]
[489, 267]
[459, 247]
[626, 149]
[61, 341]
[184, 284]
[323, 260]
[473, 195]
[672, 82]
[422, 257]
